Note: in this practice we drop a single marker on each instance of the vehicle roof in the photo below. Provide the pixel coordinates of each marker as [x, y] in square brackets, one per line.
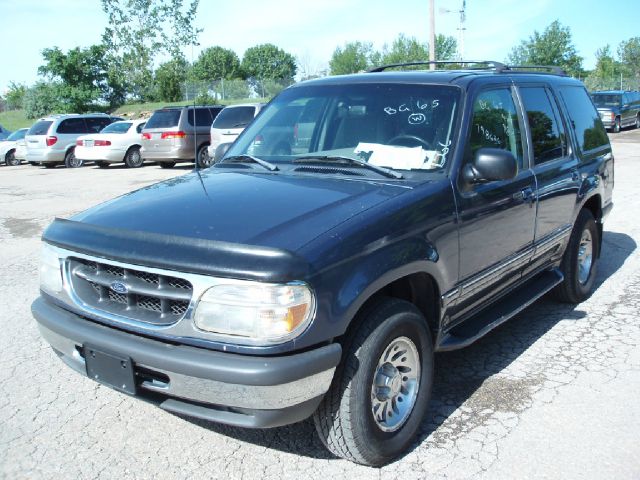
[180, 107]
[59, 116]
[451, 77]
[246, 105]
[611, 92]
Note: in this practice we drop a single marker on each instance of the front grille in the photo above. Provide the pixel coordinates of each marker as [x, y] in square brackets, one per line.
[146, 296]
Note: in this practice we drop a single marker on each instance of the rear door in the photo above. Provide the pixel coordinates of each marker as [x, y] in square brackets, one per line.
[555, 166]
[69, 130]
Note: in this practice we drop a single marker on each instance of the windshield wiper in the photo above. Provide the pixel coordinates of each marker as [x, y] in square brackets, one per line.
[250, 158]
[241, 124]
[339, 158]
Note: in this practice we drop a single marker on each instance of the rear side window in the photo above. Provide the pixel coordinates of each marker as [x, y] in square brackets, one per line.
[72, 126]
[202, 117]
[40, 128]
[236, 117]
[586, 123]
[495, 123]
[164, 119]
[95, 125]
[547, 132]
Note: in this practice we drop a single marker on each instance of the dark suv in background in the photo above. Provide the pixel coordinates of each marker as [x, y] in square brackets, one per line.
[179, 134]
[318, 277]
[618, 109]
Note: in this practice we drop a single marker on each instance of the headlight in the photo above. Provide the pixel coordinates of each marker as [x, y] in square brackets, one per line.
[256, 313]
[50, 271]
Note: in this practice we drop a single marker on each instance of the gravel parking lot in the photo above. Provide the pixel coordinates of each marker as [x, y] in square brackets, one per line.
[554, 393]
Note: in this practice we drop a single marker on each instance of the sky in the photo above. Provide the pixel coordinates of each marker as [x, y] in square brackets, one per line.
[311, 30]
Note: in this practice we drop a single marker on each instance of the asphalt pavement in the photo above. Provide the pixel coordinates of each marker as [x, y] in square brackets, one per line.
[553, 393]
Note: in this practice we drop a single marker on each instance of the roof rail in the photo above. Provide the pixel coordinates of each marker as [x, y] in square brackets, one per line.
[490, 64]
[547, 69]
[498, 67]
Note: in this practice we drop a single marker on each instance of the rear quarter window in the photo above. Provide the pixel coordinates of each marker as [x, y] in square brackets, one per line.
[40, 128]
[164, 119]
[202, 117]
[585, 121]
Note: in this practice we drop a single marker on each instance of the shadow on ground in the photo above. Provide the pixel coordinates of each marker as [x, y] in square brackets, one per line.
[460, 374]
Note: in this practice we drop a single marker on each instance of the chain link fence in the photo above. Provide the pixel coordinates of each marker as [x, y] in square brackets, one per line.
[594, 83]
[234, 90]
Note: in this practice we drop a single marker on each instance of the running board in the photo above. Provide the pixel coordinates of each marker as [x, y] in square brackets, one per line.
[502, 310]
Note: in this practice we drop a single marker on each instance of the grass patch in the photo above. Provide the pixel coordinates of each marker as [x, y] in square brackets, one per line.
[15, 119]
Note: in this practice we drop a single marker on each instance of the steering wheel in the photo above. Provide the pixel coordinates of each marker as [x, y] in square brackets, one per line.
[397, 140]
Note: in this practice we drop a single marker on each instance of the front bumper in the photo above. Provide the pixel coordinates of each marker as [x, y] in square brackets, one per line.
[241, 390]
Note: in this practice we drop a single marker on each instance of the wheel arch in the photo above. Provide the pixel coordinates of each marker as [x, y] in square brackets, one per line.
[594, 205]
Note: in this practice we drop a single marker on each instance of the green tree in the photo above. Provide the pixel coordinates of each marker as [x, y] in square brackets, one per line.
[141, 30]
[79, 76]
[42, 99]
[606, 74]
[629, 55]
[554, 46]
[408, 49]
[353, 57]
[215, 63]
[267, 61]
[15, 96]
[170, 78]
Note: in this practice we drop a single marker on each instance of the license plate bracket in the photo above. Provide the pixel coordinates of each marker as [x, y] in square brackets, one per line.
[112, 370]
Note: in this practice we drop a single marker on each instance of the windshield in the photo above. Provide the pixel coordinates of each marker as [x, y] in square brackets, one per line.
[398, 126]
[18, 135]
[607, 100]
[118, 127]
[234, 117]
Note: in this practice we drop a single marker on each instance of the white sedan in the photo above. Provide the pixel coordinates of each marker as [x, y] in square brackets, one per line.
[9, 146]
[117, 142]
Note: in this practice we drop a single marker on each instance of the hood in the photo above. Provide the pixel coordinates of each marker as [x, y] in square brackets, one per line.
[268, 210]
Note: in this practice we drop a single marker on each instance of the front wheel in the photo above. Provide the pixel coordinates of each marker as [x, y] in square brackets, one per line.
[380, 391]
[133, 158]
[617, 126]
[10, 159]
[580, 262]
[71, 161]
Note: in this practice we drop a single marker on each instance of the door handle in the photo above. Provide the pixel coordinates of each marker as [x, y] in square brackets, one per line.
[575, 175]
[528, 195]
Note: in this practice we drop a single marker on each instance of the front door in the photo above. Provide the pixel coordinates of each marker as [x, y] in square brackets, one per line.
[496, 219]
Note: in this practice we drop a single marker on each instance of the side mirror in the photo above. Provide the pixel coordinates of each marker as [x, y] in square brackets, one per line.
[489, 165]
[221, 151]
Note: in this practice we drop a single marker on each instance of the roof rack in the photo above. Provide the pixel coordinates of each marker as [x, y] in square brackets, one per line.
[490, 64]
[498, 67]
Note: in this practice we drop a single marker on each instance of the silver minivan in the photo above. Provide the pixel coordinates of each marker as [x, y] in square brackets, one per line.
[51, 141]
[231, 122]
[179, 134]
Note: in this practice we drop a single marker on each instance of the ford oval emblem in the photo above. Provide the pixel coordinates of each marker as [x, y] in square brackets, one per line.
[119, 287]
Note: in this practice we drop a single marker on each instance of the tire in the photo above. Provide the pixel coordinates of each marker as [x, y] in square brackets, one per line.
[133, 159]
[203, 160]
[102, 164]
[10, 159]
[638, 121]
[580, 271]
[167, 164]
[617, 126]
[71, 161]
[345, 418]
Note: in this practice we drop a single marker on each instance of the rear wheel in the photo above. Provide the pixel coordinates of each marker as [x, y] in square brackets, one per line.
[381, 389]
[71, 161]
[167, 164]
[10, 158]
[580, 261]
[203, 160]
[133, 158]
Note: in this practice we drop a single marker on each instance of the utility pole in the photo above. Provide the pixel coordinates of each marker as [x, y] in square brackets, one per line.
[461, 27]
[432, 35]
